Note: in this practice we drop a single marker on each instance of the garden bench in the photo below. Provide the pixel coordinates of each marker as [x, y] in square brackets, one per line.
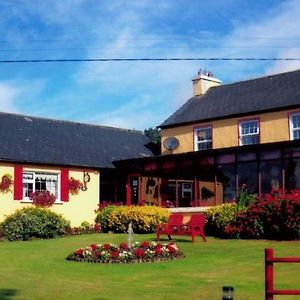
[175, 226]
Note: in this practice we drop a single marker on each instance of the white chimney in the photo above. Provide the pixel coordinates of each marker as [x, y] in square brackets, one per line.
[203, 81]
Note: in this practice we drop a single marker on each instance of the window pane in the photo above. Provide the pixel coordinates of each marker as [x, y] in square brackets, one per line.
[248, 175]
[203, 138]
[296, 121]
[292, 174]
[229, 182]
[249, 140]
[271, 176]
[249, 132]
[296, 134]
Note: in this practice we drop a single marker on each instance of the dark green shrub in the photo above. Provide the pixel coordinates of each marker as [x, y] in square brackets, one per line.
[33, 222]
[144, 219]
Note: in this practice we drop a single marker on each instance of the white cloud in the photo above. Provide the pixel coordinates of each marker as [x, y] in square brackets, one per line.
[8, 96]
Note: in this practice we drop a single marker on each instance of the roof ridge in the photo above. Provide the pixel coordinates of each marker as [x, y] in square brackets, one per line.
[68, 121]
[252, 79]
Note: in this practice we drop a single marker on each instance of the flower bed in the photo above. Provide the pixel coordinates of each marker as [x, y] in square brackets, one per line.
[138, 253]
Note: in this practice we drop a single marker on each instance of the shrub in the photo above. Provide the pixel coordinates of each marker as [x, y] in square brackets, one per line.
[143, 218]
[33, 222]
[275, 216]
[102, 217]
[218, 218]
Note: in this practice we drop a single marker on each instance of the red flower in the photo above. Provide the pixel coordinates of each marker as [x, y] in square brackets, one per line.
[94, 247]
[145, 244]
[115, 254]
[106, 246]
[79, 252]
[140, 253]
[124, 246]
[97, 227]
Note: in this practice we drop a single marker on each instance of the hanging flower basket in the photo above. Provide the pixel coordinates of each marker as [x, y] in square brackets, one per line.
[6, 184]
[75, 186]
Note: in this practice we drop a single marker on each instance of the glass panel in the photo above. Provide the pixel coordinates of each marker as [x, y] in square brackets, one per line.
[249, 127]
[226, 158]
[171, 195]
[289, 153]
[203, 138]
[204, 145]
[296, 121]
[229, 182]
[271, 154]
[248, 174]
[246, 156]
[292, 174]
[249, 139]
[296, 134]
[271, 176]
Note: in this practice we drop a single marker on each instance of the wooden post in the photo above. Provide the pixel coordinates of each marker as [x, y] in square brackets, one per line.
[269, 284]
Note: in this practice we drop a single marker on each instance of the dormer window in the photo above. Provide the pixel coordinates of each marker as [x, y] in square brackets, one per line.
[295, 126]
[248, 132]
[203, 138]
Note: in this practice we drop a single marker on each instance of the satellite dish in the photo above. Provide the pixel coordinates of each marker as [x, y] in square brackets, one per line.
[171, 143]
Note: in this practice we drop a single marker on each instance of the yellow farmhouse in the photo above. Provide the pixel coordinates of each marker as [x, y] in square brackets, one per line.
[224, 137]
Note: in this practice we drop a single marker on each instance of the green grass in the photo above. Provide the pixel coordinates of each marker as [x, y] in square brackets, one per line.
[38, 270]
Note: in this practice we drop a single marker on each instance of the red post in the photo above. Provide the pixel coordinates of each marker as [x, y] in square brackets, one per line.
[269, 284]
[269, 276]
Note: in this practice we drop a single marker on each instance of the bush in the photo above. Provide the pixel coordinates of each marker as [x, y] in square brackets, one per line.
[143, 218]
[218, 218]
[33, 222]
[276, 216]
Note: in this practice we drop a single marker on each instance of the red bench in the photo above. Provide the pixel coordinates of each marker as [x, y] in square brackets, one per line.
[175, 226]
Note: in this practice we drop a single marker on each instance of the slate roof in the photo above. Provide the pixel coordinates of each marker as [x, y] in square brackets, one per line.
[46, 141]
[265, 94]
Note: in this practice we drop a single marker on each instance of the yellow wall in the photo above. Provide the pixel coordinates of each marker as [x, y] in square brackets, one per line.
[274, 127]
[79, 208]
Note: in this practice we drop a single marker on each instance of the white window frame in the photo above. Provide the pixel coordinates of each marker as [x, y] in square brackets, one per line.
[197, 143]
[250, 134]
[32, 180]
[292, 128]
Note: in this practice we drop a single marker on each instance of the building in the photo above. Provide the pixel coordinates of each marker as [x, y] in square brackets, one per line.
[44, 154]
[225, 136]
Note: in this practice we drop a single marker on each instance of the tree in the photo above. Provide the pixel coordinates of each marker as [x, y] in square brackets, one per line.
[153, 134]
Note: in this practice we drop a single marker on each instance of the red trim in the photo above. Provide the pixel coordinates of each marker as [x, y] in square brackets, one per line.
[248, 120]
[209, 125]
[128, 192]
[64, 185]
[18, 183]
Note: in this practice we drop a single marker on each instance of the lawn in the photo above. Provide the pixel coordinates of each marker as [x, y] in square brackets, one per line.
[38, 270]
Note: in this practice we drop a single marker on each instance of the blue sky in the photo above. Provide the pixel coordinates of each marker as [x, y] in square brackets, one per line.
[134, 95]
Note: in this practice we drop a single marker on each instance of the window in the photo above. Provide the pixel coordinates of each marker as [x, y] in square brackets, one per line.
[39, 181]
[295, 126]
[249, 132]
[203, 138]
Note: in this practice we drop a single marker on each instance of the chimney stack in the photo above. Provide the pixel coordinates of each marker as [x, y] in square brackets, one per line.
[203, 81]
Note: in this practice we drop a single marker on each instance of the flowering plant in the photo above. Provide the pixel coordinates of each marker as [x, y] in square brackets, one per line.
[140, 252]
[75, 186]
[6, 184]
[42, 198]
